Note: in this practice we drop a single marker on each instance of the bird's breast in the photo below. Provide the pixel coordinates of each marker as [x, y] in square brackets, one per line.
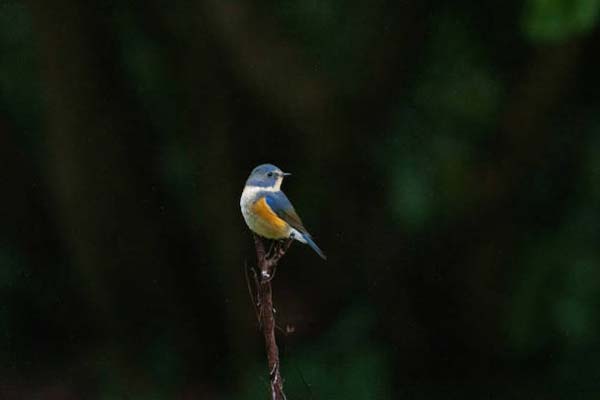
[260, 218]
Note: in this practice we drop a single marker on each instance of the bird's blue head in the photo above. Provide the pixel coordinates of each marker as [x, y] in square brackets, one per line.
[266, 176]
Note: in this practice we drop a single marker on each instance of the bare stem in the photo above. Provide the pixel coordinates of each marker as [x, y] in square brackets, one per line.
[267, 262]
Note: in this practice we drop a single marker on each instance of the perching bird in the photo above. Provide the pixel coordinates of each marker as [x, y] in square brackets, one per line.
[267, 210]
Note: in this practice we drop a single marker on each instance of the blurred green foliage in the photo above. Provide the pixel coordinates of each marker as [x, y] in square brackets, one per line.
[557, 20]
[444, 155]
[454, 103]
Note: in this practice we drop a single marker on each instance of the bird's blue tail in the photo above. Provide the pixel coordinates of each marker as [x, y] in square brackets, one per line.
[314, 246]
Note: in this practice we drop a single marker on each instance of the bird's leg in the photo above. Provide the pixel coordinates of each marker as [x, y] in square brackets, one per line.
[278, 250]
[266, 269]
[274, 251]
[272, 247]
[284, 245]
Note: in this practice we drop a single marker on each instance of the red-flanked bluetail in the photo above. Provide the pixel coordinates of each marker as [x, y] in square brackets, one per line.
[267, 210]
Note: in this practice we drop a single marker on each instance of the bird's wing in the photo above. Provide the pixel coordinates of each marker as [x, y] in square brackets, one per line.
[279, 203]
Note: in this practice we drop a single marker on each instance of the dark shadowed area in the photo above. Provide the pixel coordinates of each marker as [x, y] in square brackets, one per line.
[445, 156]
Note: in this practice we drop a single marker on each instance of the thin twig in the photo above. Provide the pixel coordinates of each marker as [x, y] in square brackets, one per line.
[267, 262]
[253, 292]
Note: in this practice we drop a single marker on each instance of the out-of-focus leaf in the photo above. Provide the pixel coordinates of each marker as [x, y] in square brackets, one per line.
[557, 20]
[458, 84]
[557, 298]
[431, 146]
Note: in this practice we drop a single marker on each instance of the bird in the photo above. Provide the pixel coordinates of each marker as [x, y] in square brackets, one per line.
[267, 210]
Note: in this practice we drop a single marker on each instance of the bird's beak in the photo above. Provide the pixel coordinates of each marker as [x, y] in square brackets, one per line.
[286, 173]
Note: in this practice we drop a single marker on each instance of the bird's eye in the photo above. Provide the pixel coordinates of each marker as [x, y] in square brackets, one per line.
[270, 174]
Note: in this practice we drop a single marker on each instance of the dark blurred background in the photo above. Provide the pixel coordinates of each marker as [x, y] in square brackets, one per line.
[445, 156]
